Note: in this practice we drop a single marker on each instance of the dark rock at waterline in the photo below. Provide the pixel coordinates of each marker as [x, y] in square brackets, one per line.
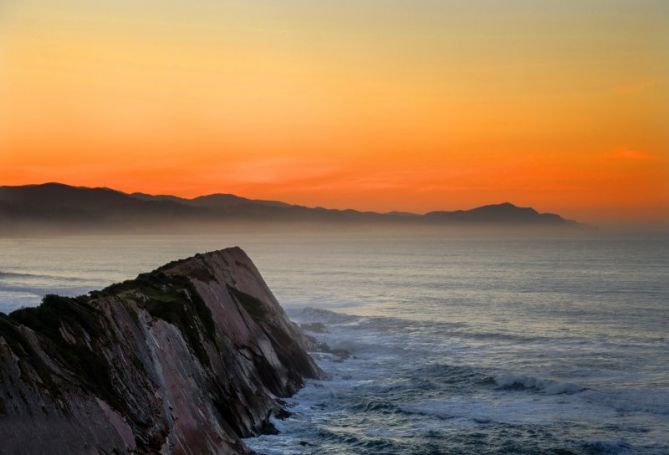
[320, 348]
[186, 359]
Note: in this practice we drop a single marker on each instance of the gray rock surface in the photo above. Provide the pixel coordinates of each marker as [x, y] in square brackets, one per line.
[186, 359]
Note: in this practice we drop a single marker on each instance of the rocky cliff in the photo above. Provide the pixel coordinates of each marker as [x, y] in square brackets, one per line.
[186, 359]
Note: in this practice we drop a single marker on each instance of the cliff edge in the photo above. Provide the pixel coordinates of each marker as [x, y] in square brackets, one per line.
[186, 359]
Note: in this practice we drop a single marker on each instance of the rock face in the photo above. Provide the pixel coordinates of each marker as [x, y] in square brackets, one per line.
[186, 359]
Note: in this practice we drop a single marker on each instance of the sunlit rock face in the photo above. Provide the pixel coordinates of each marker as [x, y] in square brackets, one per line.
[184, 360]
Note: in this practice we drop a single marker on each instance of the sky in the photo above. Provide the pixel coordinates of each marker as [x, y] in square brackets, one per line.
[368, 104]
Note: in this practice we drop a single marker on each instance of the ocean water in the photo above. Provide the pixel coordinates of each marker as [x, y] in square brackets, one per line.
[458, 345]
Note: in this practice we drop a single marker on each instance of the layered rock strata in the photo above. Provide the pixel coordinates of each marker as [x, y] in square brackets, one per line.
[186, 359]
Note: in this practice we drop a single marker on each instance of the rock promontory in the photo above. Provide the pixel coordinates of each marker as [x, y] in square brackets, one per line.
[187, 359]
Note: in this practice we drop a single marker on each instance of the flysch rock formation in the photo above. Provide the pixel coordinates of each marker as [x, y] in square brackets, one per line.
[186, 359]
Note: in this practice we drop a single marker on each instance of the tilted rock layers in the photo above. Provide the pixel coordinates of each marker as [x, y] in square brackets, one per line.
[186, 359]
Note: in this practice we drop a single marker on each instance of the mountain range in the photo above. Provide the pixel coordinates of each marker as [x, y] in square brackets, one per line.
[59, 206]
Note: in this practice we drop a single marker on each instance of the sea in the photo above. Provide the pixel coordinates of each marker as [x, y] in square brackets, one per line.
[459, 344]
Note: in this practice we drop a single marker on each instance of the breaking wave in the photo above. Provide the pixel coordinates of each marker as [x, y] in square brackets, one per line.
[547, 386]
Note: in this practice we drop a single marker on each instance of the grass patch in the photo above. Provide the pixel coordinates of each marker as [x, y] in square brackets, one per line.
[175, 300]
[82, 320]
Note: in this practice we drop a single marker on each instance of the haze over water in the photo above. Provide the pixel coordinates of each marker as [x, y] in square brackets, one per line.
[459, 344]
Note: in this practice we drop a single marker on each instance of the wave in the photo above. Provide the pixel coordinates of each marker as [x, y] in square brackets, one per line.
[310, 314]
[643, 401]
[377, 323]
[21, 275]
[427, 410]
[547, 386]
[392, 337]
[607, 447]
[24, 275]
[392, 324]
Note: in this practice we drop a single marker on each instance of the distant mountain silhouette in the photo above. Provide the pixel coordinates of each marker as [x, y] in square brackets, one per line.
[55, 205]
[497, 213]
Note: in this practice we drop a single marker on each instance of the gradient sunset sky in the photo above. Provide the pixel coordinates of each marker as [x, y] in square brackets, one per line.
[369, 104]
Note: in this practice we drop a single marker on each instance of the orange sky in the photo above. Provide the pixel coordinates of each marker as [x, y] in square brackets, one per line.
[369, 104]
